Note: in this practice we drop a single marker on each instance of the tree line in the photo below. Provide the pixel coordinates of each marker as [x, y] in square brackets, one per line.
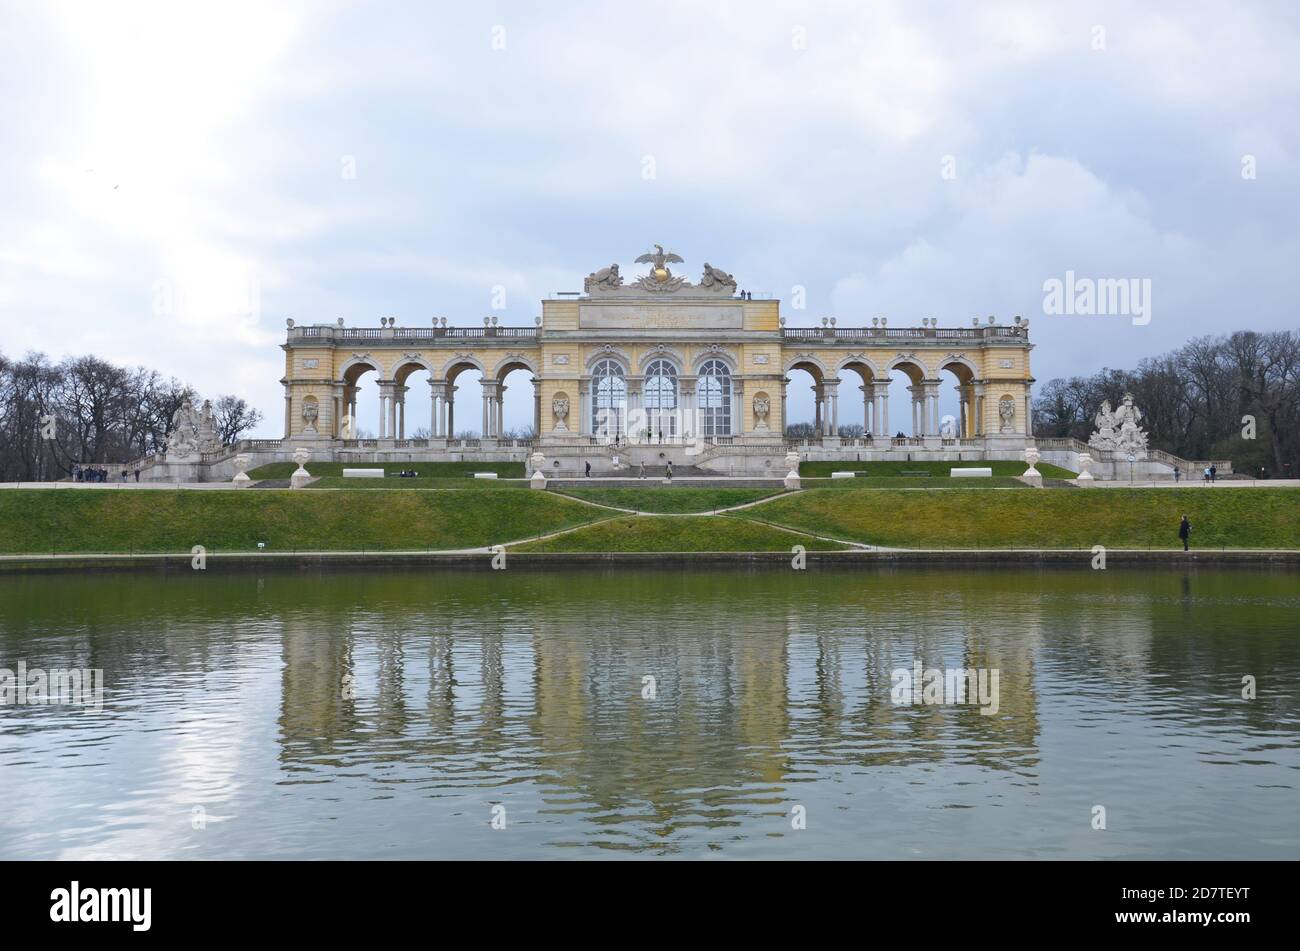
[88, 411]
[1228, 397]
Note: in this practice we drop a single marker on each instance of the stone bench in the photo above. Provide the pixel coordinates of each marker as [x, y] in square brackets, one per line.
[972, 472]
[918, 473]
[363, 473]
[485, 475]
[842, 475]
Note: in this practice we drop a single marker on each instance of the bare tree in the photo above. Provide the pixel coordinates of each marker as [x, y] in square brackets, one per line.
[234, 417]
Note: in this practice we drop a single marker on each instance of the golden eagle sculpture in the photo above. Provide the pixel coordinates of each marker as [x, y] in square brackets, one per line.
[659, 262]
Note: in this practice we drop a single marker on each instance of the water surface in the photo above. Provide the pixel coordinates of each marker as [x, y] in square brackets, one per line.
[393, 713]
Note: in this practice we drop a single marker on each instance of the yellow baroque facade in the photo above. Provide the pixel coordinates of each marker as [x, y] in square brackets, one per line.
[665, 364]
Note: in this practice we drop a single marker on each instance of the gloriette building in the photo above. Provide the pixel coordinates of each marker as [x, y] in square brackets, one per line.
[650, 368]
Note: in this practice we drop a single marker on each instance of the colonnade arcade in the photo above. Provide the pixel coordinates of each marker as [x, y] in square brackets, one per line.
[436, 415]
[836, 404]
[660, 358]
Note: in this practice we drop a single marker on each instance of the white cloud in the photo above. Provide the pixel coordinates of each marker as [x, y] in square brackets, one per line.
[201, 146]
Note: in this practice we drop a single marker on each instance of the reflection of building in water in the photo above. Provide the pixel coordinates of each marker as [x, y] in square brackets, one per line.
[718, 720]
[315, 706]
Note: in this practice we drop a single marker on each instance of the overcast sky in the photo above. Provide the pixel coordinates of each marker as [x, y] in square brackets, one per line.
[177, 180]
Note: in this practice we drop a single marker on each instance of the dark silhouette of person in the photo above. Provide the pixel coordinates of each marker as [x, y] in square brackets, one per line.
[1184, 531]
[589, 470]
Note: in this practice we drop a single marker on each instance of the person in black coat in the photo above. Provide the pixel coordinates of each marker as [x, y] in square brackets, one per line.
[589, 470]
[1184, 531]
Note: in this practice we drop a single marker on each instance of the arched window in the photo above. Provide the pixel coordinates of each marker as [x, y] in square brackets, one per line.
[714, 399]
[608, 399]
[661, 399]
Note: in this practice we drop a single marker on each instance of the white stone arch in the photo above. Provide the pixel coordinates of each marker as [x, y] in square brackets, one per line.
[959, 401]
[417, 363]
[514, 362]
[610, 352]
[674, 357]
[794, 361]
[357, 361]
[467, 359]
[961, 360]
[899, 362]
[851, 359]
[724, 356]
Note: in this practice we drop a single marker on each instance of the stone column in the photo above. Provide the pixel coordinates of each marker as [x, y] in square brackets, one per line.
[817, 409]
[963, 419]
[785, 416]
[882, 411]
[288, 412]
[832, 412]
[1029, 412]
[487, 409]
[500, 426]
[979, 409]
[737, 406]
[866, 408]
[435, 409]
[537, 408]
[584, 414]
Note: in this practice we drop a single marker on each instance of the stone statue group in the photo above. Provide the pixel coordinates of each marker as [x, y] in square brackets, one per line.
[193, 431]
[1118, 430]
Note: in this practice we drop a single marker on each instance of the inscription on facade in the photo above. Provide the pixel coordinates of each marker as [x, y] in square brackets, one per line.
[675, 316]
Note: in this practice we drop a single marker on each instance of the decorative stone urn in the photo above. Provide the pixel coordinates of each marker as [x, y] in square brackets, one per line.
[1085, 465]
[300, 476]
[1032, 475]
[241, 479]
[792, 477]
[537, 461]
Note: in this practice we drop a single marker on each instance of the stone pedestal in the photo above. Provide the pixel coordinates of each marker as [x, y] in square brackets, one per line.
[792, 477]
[1031, 475]
[241, 479]
[1085, 465]
[537, 462]
[300, 476]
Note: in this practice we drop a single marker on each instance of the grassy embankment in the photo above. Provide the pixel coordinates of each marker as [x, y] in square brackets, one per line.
[36, 521]
[669, 501]
[1008, 468]
[699, 533]
[432, 475]
[1076, 518]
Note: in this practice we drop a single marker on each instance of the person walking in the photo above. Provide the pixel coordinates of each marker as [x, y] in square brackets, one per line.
[1184, 531]
[670, 470]
[1214, 473]
[588, 470]
[1207, 474]
[1178, 473]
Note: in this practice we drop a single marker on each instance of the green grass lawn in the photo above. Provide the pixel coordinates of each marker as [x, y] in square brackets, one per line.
[671, 500]
[401, 485]
[427, 470]
[672, 533]
[1046, 518]
[87, 520]
[1000, 467]
[903, 482]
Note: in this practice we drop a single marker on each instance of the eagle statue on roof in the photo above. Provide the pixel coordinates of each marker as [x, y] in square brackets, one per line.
[659, 262]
